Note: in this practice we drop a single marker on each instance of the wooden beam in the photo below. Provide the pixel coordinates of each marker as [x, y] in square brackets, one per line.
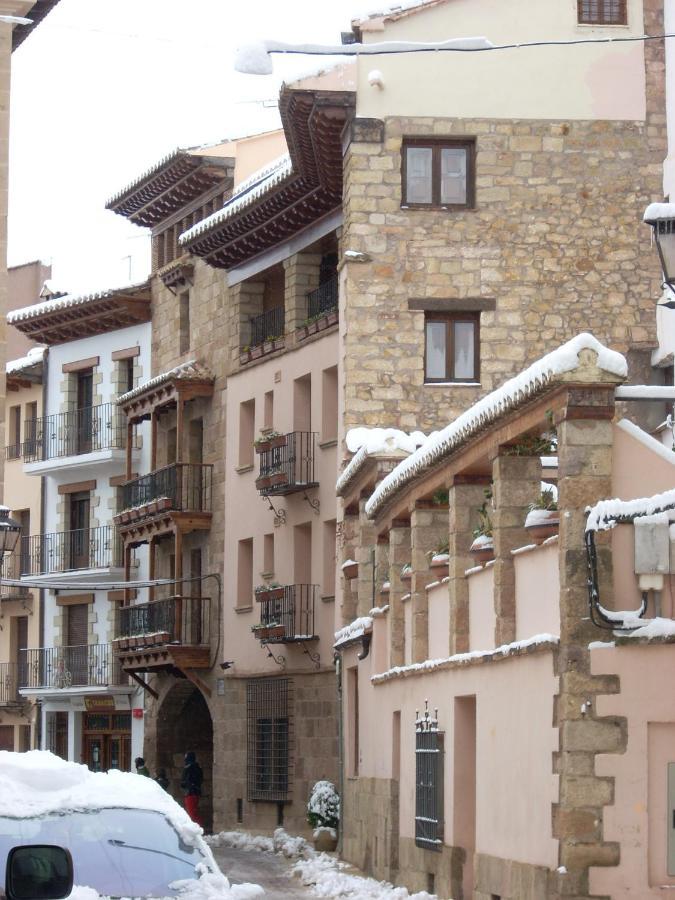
[139, 680]
[197, 681]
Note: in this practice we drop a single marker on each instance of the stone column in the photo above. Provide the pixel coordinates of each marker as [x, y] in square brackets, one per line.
[584, 472]
[428, 528]
[365, 557]
[465, 497]
[247, 299]
[399, 555]
[516, 484]
[301, 276]
[350, 539]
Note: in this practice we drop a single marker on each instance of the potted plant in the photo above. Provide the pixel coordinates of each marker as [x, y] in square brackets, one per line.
[323, 815]
[278, 478]
[332, 317]
[271, 591]
[260, 631]
[439, 560]
[275, 630]
[350, 569]
[277, 440]
[256, 352]
[262, 482]
[543, 519]
[406, 572]
[482, 547]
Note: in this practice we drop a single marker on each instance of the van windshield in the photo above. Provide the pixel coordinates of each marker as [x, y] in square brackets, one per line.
[118, 852]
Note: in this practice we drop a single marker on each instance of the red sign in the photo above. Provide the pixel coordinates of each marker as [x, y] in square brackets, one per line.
[137, 713]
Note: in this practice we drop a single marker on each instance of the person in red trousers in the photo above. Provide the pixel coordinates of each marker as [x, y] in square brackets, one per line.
[191, 782]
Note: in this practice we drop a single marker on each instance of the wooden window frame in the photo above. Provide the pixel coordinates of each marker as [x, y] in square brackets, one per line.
[450, 319]
[601, 19]
[436, 145]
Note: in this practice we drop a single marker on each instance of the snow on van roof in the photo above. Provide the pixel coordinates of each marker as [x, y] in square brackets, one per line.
[38, 783]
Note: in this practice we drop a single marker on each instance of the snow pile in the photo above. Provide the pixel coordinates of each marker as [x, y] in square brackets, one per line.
[604, 514]
[67, 301]
[328, 879]
[378, 611]
[463, 658]
[654, 628]
[365, 442]
[355, 629]
[348, 562]
[214, 886]
[513, 392]
[33, 358]
[282, 843]
[541, 517]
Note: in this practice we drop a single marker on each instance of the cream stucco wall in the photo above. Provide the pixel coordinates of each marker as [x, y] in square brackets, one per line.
[439, 621]
[537, 592]
[592, 81]
[481, 609]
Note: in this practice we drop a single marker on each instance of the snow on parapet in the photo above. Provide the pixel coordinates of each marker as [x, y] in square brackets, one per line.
[33, 358]
[191, 370]
[365, 442]
[247, 193]
[355, 629]
[510, 394]
[604, 514]
[657, 211]
[68, 300]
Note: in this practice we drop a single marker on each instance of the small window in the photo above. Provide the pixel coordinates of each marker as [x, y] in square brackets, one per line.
[439, 174]
[184, 322]
[452, 344]
[428, 782]
[269, 739]
[602, 12]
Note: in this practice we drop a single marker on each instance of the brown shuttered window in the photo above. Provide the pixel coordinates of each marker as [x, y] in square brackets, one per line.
[438, 174]
[77, 623]
[602, 12]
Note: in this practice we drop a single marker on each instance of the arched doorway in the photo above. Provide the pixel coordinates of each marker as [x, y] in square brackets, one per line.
[184, 723]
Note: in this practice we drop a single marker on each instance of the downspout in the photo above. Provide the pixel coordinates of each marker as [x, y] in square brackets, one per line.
[42, 591]
[341, 759]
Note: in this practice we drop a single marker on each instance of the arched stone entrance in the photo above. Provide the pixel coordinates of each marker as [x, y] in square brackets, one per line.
[184, 723]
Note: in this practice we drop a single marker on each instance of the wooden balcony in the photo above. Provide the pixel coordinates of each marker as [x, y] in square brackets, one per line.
[288, 618]
[288, 466]
[176, 498]
[171, 635]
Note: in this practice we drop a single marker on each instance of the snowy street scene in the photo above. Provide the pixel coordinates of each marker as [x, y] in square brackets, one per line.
[337, 500]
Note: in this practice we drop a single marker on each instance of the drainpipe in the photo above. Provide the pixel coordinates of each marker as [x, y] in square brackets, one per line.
[42, 591]
[341, 759]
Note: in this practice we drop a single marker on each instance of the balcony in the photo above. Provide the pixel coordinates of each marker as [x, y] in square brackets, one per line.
[177, 496]
[322, 309]
[13, 566]
[88, 436]
[266, 334]
[170, 634]
[288, 618]
[57, 668]
[288, 466]
[63, 552]
[9, 684]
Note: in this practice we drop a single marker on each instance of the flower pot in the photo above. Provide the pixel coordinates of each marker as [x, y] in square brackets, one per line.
[278, 478]
[332, 318]
[542, 524]
[439, 565]
[482, 549]
[279, 441]
[278, 344]
[262, 446]
[256, 352]
[244, 358]
[276, 631]
[350, 570]
[270, 594]
[163, 503]
[322, 323]
[325, 839]
[261, 633]
[406, 575]
[262, 483]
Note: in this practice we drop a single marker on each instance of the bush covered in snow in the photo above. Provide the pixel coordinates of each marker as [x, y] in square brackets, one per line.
[323, 809]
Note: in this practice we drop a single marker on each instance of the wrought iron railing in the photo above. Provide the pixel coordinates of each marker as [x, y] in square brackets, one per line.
[13, 566]
[324, 299]
[9, 683]
[187, 486]
[73, 433]
[84, 665]
[288, 467]
[293, 612]
[182, 620]
[64, 551]
[267, 326]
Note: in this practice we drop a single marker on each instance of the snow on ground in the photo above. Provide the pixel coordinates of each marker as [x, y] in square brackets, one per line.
[324, 873]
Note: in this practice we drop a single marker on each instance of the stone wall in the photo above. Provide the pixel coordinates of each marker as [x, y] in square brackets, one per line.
[556, 240]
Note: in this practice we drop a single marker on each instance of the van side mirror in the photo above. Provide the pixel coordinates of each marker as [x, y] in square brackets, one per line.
[38, 872]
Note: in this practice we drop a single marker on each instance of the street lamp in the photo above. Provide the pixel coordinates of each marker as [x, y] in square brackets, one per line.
[9, 532]
[661, 217]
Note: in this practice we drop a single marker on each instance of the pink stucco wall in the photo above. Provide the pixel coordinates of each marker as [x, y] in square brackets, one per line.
[537, 591]
[439, 620]
[481, 609]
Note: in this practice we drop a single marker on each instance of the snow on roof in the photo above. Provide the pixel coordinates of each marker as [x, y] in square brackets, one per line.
[250, 190]
[191, 370]
[528, 383]
[604, 514]
[34, 357]
[356, 629]
[365, 442]
[38, 783]
[656, 211]
[67, 301]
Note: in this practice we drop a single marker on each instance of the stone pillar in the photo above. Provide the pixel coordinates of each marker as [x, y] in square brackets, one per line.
[399, 555]
[428, 528]
[301, 276]
[381, 565]
[350, 540]
[248, 302]
[584, 477]
[516, 484]
[465, 497]
[365, 557]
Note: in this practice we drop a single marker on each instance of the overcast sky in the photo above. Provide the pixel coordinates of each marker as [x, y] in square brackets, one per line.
[105, 88]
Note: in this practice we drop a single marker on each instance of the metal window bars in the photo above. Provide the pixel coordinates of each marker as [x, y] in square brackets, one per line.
[78, 431]
[429, 752]
[269, 747]
[289, 467]
[82, 665]
[324, 299]
[67, 551]
[267, 326]
[183, 486]
[293, 612]
[181, 620]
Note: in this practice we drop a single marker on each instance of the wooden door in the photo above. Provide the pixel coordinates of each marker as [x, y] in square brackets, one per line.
[77, 628]
[79, 556]
[84, 423]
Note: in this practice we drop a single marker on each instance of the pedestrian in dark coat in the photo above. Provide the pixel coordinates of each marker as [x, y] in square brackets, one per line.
[161, 779]
[191, 782]
[141, 768]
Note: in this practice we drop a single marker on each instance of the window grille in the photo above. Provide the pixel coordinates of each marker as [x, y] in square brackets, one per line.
[428, 780]
[269, 732]
[602, 12]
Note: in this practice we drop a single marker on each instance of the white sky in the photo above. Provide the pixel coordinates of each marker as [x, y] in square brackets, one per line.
[105, 88]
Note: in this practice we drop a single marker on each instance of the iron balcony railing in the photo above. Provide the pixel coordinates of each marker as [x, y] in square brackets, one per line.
[64, 551]
[289, 467]
[73, 433]
[187, 486]
[293, 612]
[181, 620]
[84, 665]
[13, 566]
[267, 326]
[9, 683]
[324, 299]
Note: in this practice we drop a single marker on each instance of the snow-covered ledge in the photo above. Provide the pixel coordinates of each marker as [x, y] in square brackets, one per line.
[366, 442]
[353, 632]
[584, 355]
